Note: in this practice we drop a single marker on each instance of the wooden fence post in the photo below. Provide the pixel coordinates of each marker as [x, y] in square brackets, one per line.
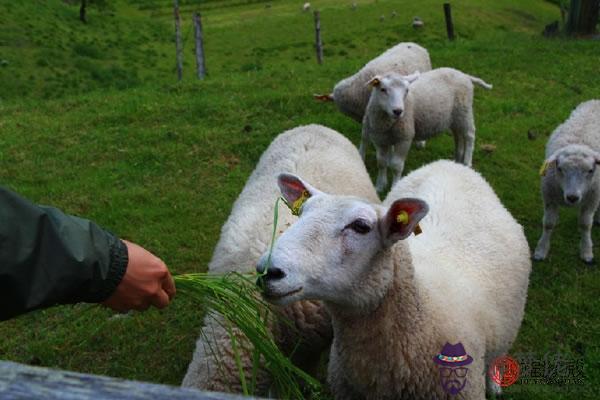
[199, 46]
[178, 46]
[318, 43]
[449, 24]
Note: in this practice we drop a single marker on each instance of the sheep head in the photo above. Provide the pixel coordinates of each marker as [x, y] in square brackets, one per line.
[574, 168]
[329, 251]
[389, 92]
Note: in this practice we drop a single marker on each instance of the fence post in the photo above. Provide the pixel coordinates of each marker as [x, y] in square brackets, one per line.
[199, 46]
[318, 43]
[178, 46]
[449, 24]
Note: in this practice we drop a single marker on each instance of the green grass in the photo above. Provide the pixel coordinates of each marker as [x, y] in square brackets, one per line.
[93, 121]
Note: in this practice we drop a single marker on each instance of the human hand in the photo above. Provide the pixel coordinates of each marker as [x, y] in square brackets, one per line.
[146, 282]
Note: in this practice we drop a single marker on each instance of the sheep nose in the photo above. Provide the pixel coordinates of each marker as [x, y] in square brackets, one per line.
[397, 112]
[572, 198]
[272, 273]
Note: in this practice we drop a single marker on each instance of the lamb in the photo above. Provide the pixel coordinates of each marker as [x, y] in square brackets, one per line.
[569, 176]
[351, 94]
[326, 157]
[418, 106]
[394, 303]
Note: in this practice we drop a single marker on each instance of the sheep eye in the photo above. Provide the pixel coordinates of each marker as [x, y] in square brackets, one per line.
[383, 90]
[360, 226]
[591, 171]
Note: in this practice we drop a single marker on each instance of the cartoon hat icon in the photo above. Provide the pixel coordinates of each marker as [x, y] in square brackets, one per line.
[453, 355]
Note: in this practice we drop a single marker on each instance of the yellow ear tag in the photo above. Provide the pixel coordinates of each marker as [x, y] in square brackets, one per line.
[544, 168]
[295, 207]
[403, 218]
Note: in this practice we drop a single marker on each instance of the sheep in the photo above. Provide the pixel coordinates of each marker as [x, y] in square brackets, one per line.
[417, 23]
[306, 7]
[351, 94]
[569, 176]
[326, 157]
[394, 303]
[418, 106]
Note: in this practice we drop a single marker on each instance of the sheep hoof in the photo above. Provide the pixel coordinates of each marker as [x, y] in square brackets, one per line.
[589, 261]
[537, 257]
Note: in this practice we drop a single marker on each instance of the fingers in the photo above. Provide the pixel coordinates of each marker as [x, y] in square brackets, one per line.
[160, 300]
[168, 285]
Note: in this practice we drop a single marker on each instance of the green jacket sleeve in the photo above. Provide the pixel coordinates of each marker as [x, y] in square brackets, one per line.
[48, 257]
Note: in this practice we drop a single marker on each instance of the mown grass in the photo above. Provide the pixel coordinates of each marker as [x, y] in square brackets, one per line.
[161, 163]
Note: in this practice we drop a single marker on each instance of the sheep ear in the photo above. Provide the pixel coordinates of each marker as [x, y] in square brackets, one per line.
[295, 191]
[549, 163]
[402, 219]
[375, 81]
[412, 77]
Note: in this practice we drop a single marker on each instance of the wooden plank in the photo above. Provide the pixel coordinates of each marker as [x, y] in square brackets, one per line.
[178, 44]
[318, 42]
[200, 64]
[449, 23]
[18, 381]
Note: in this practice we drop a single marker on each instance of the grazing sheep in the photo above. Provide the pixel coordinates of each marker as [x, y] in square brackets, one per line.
[306, 7]
[327, 158]
[418, 106]
[570, 177]
[351, 94]
[393, 302]
[417, 23]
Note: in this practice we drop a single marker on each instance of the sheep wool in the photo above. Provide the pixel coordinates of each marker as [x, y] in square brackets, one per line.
[396, 300]
[332, 161]
[351, 94]
[570, 177]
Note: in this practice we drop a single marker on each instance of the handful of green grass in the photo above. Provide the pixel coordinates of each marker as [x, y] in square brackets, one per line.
[237, 299]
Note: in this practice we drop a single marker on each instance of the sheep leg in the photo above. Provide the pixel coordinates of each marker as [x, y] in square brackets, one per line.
[363, 143]
[399, 157]
[549, 222]
[459, 146]
[586, 217]
[469, 143]
[382, 161]
[492, 388]
[597, 216]
[420, 144]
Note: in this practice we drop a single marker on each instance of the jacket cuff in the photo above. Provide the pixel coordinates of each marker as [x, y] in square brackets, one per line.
[119, 258]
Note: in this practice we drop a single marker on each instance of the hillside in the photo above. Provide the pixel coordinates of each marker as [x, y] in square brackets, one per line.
[92, 120]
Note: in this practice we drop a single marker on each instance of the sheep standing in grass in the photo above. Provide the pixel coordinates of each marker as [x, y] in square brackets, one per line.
[327, 158]
[394, 303]
[570, 177]
[351, 94]
[418, 106]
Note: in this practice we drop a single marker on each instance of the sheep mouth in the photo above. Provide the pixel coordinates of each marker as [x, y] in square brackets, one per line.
[270, 296]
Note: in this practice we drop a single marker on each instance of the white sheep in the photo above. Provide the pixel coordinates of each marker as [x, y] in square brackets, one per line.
[394, 303]
[351, 94]
[570, 177]
[306, 7]
[417, 23]
[418, 106]
[326, 157]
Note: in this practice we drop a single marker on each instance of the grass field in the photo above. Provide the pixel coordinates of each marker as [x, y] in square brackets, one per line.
[93, 121]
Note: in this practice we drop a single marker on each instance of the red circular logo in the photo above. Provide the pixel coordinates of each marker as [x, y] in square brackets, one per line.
[504, 371]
